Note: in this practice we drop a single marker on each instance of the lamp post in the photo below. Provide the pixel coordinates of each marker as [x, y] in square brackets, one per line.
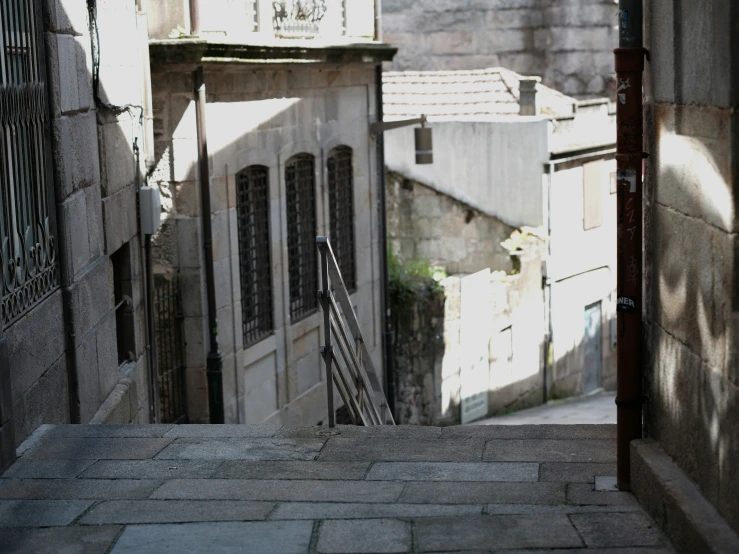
[422, 135]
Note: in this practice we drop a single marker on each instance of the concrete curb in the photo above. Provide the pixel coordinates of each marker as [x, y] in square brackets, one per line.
[675, 502]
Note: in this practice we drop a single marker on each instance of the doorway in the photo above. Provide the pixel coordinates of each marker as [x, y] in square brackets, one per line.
[592, 369]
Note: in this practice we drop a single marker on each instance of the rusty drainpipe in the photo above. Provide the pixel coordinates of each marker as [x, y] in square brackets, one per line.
[195, 18]
[630, 153]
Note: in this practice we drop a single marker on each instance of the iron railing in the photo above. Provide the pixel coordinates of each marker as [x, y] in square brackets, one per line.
[170, 346]
[348, 364]
[28, 260]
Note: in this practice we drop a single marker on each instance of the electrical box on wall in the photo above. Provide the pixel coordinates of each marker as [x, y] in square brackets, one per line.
[150, 204]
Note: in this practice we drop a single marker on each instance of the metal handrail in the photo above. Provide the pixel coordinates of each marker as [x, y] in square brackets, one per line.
[352, 369]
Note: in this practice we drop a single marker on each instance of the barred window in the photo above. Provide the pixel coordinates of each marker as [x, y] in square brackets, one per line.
[252, 205]
[28, 265]
[341, 212]
[300, 184]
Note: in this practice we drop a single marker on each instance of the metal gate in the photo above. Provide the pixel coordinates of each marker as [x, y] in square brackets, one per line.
[170, 345]
[28, 262]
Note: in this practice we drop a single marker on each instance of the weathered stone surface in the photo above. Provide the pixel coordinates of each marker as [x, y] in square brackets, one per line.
[87, 540]
[294, 490]
[609, 530]
[364, 536]
[242, 449]
[494, 493]
[226, 431]
[101, 448]
[496, 532]
[175, 511]
[40, 513]
[512, 509]
[431, 471]
[336, 510]
[342, 471]
[270, 537]
[575, 472]
[151, 469]
[76, 489]
[47, 469]
[584, 494]
[490, 432]
[398, 450]
[590, 450]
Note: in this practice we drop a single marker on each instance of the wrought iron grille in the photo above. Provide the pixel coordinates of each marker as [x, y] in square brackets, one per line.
[28, 264]
[341, 212]
[170, 337]
[252, 189]
[300, 181]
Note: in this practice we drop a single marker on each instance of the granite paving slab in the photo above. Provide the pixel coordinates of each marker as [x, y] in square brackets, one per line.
[452, 492]
[495, 533]
[364, 536]
[99, 448]
[332, 510]
[151, 469]
[76, 489]
[574, 472]
[175, 511]
[612, 530]
[523, 509]
[546, 450]
[46, 469]
[453, 471]
[264, 537]
[578, 493]
[295, 490]
[109, 431]
[490, 432]
[224, 431]
[401, 450]
[242, 449]
[342, 471]
[55, 540]
[40, 513]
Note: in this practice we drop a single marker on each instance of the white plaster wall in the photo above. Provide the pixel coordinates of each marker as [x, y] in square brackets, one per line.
[495, 166]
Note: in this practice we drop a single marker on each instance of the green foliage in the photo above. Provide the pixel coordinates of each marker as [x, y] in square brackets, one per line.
[413, 279]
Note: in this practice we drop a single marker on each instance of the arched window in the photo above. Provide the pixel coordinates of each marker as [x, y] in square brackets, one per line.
[252, 205]
[300, 185]
[341, 212]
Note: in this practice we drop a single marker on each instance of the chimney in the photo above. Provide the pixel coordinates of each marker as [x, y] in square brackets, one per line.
[528, 102]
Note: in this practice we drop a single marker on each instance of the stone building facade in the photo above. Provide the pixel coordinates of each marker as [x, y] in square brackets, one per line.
[290, 119]
[691, 257]
[74, 349]
[569, 44]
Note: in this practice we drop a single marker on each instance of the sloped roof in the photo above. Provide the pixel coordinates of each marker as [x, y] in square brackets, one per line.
[463, 95]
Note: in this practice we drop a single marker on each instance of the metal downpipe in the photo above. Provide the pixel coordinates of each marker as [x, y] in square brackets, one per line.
[630, 154]
[214, 372]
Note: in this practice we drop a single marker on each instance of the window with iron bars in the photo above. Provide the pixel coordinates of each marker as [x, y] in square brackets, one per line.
[300, 184]
[252, 190]
[341, 212]
[28, 264]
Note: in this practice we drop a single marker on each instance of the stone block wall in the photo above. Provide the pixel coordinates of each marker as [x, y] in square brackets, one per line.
[692, 261]
[281, 110]
[63, 355]
[425, 224]
[568, 43]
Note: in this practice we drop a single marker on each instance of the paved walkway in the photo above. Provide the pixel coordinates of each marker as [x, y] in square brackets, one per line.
[596, 409]
[271, 489]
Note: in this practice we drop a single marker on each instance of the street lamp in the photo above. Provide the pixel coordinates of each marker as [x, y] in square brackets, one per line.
[422, 135]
